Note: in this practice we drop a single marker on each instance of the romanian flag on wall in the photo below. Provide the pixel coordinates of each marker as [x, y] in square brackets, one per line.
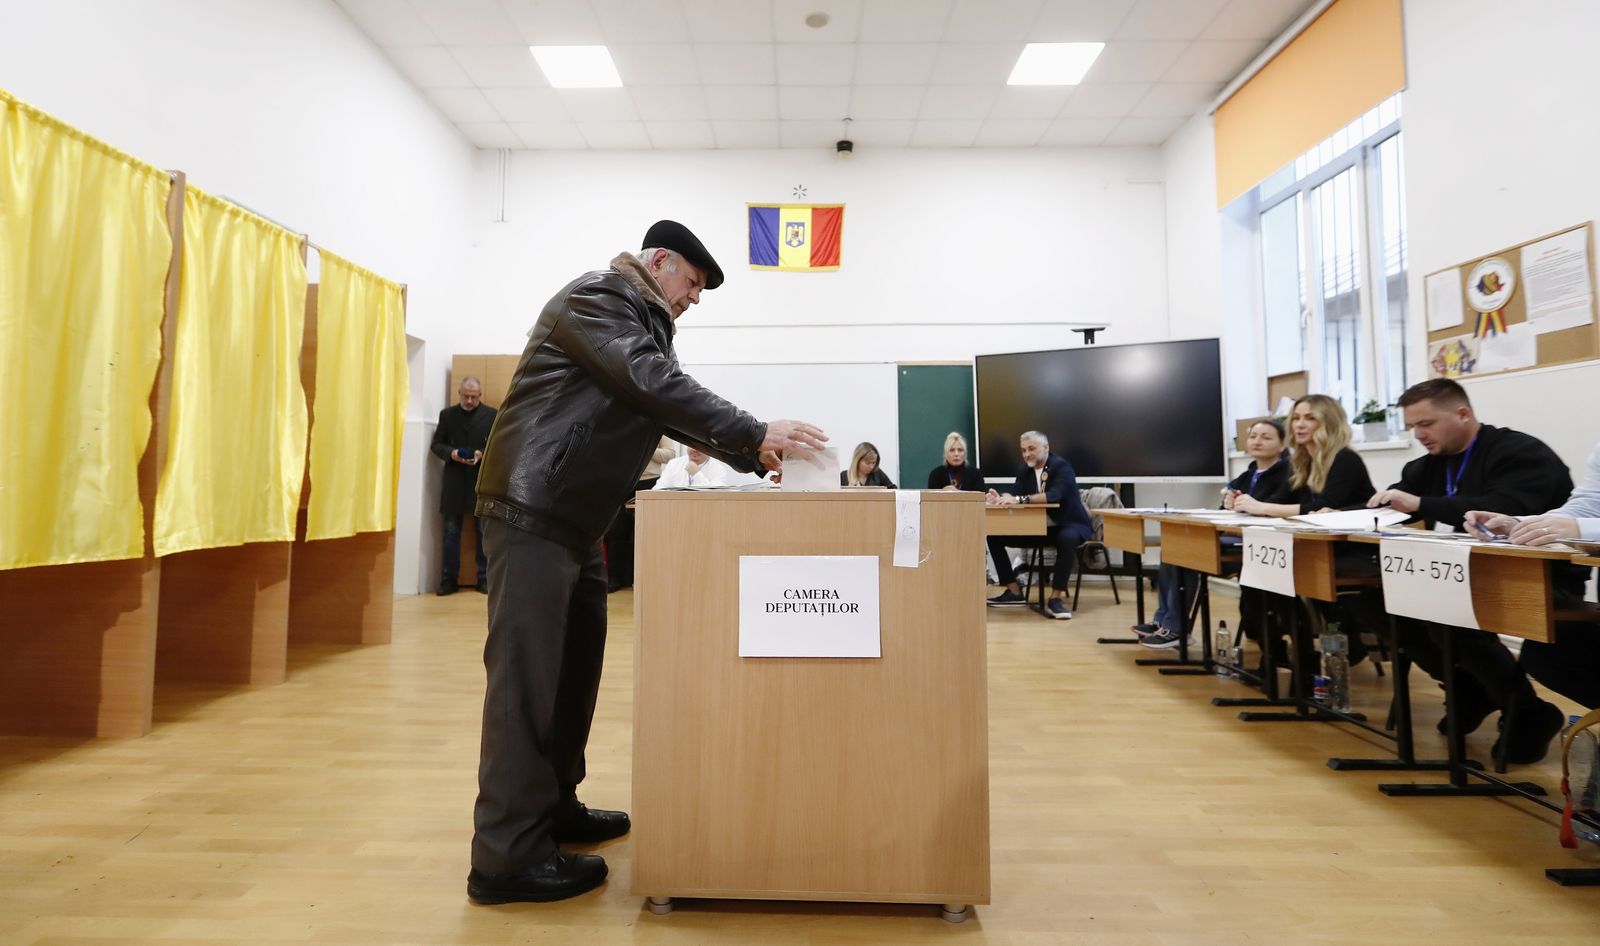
[795, 237]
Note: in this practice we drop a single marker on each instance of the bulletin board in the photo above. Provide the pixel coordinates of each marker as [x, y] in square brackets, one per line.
[1531, 305]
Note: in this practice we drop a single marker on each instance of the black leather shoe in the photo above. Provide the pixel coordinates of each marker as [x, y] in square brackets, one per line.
[585, 825]
[558, 877]
[447, 587]
[1529, 740]
[1470, 715]
[482, 587]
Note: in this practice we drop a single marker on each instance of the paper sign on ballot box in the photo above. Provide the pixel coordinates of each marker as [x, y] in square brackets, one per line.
[808, 606]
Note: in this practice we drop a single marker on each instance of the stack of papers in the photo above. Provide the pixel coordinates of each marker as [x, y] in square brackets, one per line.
[1354, 520]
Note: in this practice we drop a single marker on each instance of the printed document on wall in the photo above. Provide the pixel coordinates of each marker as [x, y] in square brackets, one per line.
[1446, 308]
[1555, 275]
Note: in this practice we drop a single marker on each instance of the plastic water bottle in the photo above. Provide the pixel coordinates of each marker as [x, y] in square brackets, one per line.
[1222, 652]
[1335, 649]
[1583, 762]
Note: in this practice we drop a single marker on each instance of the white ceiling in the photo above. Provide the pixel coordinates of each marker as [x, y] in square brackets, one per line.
[751, 74]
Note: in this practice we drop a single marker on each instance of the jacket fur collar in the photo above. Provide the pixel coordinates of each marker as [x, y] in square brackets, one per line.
[639, 277]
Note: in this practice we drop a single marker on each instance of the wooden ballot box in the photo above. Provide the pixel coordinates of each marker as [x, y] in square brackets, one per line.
[809, 778]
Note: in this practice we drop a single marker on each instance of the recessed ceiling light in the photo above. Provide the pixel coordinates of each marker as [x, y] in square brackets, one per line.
[577, 67]
[1054, 63]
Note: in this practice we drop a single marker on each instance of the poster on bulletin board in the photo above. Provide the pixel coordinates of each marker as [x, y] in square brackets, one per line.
[1531, 305]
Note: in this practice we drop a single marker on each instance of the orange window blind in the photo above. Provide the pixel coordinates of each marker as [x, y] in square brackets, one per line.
[1346, 61]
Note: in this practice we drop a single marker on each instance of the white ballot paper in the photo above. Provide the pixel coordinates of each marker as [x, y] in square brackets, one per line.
[808, 606]
[1428, 579]
[816, 475]
[1268, 561]
[1354, 520]
[907, 528]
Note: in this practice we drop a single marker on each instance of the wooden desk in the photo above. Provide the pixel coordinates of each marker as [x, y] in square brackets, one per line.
[1511, 591]
[1314, 573]
[1124, 530]
[1032, 519]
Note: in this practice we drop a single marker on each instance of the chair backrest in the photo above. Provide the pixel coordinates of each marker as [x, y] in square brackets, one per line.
[1099, 497]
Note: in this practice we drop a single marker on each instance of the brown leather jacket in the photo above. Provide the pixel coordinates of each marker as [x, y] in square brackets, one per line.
[596, 387]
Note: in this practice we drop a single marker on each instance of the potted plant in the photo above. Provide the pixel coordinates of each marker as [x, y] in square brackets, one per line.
[1373, 419]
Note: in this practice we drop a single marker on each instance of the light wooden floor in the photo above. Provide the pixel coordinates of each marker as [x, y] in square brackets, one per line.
[336, 808]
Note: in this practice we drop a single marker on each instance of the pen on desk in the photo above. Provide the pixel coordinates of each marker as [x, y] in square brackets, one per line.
[1486, 532]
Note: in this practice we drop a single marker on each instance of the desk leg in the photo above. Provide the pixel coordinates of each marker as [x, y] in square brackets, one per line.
[1405, 751]
[1182, 660]
[1205, 666]
[1138, 601]
[1459, 766]
[1269, 670]
[1305, 710]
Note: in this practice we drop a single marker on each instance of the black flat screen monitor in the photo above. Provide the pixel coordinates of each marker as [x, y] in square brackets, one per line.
[1114, 411]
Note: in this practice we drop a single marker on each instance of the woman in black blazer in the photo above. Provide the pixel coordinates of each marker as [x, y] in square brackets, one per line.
[955, 472]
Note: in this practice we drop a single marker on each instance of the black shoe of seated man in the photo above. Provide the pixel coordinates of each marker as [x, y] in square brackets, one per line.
[1536, 727]
[581, 824]
[1469, 716]
[447, 587]
[557, 877]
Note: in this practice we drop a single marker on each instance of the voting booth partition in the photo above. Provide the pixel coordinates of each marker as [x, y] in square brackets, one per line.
[810, 777]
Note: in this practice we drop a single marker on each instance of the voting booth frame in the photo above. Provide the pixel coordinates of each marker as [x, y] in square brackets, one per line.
[845, 779]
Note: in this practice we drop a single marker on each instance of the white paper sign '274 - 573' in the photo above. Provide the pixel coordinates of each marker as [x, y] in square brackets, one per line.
[1428, 579]
[1268, 561]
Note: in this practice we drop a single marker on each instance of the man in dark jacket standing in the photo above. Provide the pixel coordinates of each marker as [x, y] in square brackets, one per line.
[459, 440]
[1473, 465]
[597, 386]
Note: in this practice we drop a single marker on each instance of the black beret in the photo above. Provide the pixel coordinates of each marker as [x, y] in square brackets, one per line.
[672, 235]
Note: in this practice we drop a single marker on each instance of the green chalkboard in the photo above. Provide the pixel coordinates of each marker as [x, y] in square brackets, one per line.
[934, 400]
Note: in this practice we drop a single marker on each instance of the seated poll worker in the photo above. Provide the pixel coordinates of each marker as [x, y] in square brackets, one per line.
[1569, 665]
[698, 469]
[597, 386]
[864, 469]
[1472, 465]
[956, 473]
[1045, 478]
[1324, 473]
[1176, 587]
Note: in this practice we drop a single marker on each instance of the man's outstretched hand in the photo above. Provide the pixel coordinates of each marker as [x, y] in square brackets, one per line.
[793, 436]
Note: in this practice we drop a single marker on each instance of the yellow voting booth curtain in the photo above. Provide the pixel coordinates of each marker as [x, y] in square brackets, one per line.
[84, 251]
[361, 401]
[237, 425]
[1346, 61]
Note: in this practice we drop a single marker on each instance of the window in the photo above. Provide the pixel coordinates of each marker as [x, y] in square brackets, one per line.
[1332, 234]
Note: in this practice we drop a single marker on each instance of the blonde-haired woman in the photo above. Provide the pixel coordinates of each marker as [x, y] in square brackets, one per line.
[1324, 472]
[864, 469]
[956, 472]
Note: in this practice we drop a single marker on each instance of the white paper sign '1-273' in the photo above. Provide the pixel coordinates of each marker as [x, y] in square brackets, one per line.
[1428, 579]
[1268, 561]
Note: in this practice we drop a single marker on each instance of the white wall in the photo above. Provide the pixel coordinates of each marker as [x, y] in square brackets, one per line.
[946, 253]
[1500, 146]
[283, 105]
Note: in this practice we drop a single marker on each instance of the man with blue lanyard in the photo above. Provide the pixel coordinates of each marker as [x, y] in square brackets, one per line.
[1472, 465]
